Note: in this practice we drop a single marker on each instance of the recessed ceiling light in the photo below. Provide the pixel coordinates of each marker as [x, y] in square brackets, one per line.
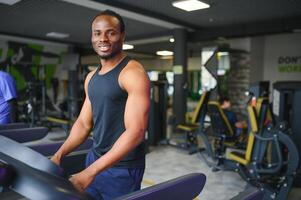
[57, 35]
[9, 2]
[171, 40]
[190, 5]
[127, 46]
[164, 53]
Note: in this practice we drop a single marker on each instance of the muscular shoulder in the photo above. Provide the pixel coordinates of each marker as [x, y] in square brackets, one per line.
[90, 74]
[133, 74]
[132, 68]
[88, 78]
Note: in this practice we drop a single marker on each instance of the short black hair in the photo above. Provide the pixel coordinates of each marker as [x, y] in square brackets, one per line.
[113, 14]
[222, 99]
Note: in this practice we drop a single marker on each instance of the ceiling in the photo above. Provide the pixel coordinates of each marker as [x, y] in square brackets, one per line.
[150, 23]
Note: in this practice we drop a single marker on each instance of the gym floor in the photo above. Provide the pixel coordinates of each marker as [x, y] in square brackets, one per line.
[166, 162]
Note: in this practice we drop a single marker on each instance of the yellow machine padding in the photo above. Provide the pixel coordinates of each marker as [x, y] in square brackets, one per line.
[193, 125]
[198, 107]
[57, 120]
[245, 158]
[260, 101]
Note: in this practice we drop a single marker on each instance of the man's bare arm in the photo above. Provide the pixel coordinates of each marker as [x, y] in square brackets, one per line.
[136, 83]
[80, 129]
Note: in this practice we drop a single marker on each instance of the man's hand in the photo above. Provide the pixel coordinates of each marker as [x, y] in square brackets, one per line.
[82, 180]
[241, 124]
[55, 160]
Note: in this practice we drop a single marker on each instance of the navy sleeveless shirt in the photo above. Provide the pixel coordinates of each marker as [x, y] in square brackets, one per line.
[108, 101]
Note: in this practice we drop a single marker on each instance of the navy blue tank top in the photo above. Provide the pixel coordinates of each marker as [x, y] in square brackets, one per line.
[108, 101]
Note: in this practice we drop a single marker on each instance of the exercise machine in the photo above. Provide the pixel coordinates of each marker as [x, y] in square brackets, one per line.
[30, 136]
[25, 134]
[194, 126]
[224, 136]
[13, 126]
[287, 107]
[274, 175]
[21, 174]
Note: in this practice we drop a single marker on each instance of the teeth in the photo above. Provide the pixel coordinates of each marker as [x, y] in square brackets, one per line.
[104, 48]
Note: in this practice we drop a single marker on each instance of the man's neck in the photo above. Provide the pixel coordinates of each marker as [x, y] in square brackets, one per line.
[112, 62]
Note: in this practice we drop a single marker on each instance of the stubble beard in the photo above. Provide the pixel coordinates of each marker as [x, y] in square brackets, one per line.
[115, 52]
[111, 55]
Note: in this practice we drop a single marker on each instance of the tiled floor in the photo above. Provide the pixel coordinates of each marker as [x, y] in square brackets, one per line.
[166, 162]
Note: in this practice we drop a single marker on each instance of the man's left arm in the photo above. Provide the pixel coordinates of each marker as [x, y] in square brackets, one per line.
[135, 81]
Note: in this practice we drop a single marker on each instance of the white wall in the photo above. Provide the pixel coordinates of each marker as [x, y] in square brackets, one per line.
[194, 63]
[276, 46]
[256, 59]
[240, 43]
[157, 64]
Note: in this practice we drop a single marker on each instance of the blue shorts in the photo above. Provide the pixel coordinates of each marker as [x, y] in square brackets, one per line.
[114, 182]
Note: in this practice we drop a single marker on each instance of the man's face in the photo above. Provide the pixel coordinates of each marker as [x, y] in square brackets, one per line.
[107, 39]
[226, 104]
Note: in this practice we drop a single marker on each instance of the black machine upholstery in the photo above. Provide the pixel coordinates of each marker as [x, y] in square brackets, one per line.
[219, 122]
[49, 149]
[25, 134]
[78, 156]
[13, 126]
[37, 184]
[184, 187]
[26, 155]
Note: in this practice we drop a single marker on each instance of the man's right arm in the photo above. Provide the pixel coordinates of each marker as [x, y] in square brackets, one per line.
[80, 129]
